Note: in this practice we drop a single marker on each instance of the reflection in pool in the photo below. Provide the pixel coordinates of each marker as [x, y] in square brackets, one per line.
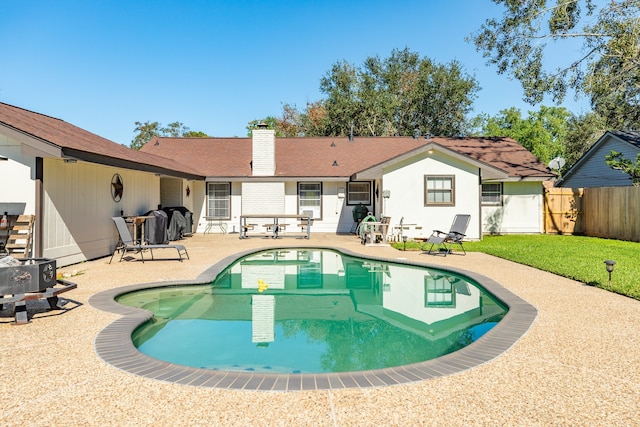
[312, 311]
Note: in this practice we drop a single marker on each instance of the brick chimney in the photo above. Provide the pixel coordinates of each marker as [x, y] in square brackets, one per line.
[264, 151]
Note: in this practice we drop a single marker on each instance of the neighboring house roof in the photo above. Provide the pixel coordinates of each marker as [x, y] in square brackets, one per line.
[66, 140]
[326, 157]
[591, 169]
[631, 137]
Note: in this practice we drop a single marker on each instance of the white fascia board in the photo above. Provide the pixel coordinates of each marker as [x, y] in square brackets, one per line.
[519, 179]
[31, 145]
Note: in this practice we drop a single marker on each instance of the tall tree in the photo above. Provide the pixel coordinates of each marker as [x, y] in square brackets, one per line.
[606, 67]
[144, 132]
[582, 132]
[269, 121]
[396, 95]
[286, 126]
[542, 132]
[148, 130]
[340, 85]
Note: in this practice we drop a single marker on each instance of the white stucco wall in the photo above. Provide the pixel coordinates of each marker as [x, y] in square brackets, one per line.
[521, 211]
[200, 208]
[332, 210]
[195, 202]
[405, 182]
[336, 216]
[17, 174]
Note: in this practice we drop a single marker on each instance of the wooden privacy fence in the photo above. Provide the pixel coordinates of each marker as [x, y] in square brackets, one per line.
[608, 212]
[612, 212]
[563, 211]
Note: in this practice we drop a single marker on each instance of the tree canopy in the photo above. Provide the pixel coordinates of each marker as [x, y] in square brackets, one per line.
[385, 97]
[543, 132]
[286, 126]
[396, 95]
[617, 161]
[148, 130]
[606, 67]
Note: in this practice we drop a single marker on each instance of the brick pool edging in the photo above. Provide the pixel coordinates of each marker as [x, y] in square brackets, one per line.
[113, 344]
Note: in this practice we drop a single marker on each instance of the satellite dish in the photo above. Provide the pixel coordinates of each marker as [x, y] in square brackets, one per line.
[557, 163]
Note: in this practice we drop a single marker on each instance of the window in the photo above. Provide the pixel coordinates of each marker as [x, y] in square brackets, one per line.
[310, 198]
[439, 292]
[439, 190]
[492, 194]
[219, 200]
[358, 192]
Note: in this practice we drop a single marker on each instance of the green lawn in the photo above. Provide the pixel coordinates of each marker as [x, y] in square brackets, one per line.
[576, 257]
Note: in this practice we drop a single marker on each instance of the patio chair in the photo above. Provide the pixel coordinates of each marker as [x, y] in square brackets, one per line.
[126, 243]
[443, 241]
[377, 233]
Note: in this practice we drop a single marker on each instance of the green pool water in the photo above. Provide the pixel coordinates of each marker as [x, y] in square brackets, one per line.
[313, 311]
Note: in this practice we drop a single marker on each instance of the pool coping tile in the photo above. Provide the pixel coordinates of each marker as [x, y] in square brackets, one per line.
[113, 344]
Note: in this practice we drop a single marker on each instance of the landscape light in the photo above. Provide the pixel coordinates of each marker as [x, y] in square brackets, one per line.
[609, 264]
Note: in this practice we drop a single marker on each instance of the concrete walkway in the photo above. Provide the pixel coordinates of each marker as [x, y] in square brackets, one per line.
[579, 364]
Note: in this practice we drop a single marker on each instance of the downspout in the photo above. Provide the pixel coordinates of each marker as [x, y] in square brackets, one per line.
[39, 210]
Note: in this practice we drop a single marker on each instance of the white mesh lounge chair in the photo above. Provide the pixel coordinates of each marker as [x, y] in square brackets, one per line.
[126, 243]
[443, 241]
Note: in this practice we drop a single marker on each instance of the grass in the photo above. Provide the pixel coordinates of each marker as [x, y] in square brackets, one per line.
[576, 257]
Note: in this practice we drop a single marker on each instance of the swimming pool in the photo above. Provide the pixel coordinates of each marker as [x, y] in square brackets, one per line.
[311, 310]
[114, 344]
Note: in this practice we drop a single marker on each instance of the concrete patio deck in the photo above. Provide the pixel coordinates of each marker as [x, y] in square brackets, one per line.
[579, 364]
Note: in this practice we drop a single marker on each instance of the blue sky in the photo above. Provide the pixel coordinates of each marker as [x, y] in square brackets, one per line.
[213, 65]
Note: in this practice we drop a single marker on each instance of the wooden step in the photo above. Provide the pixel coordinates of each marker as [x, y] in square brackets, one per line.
[20, 236]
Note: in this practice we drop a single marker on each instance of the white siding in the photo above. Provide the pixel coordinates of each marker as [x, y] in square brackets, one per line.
[521, 211]
[78, 205]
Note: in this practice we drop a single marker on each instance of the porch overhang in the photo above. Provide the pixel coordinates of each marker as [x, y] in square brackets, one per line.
[126, 164]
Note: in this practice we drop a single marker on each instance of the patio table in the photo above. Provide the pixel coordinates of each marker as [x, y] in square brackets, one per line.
[273, 227]
[138, 220]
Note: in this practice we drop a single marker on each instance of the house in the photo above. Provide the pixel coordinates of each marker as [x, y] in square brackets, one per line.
[421, 182]
[74, 181]
[591, 169]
